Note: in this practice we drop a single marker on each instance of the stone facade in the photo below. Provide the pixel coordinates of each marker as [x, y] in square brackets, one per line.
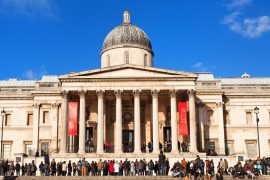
[133, 102]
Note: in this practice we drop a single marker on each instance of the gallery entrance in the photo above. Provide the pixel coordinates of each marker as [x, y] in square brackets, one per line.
[128, 140]
[167, 141]
[89, 144]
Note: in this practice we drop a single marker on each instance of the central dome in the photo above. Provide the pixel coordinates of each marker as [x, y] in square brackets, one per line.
[127, 35]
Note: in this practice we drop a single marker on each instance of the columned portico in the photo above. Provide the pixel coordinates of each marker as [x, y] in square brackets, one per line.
[63, 148]
[82, 122]
[192, 121]
[118, 122]
[174, 127]
[155, 120]
[137, 121]
[100, 125]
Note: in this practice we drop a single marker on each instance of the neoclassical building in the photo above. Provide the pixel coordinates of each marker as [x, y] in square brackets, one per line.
[128, 102]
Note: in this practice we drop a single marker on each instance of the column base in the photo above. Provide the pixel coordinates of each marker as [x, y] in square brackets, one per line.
[81, 152]
[175, 151]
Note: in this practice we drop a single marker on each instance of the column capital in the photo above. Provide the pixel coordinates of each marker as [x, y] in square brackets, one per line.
[118, 93]
[65, 94]
[100, 93]
[173, 92]
[191, 92]
[136, 92]
[219, 104]
[155, 92]
[82, 93]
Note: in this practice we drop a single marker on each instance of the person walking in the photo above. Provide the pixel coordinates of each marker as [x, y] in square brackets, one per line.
[18, 169]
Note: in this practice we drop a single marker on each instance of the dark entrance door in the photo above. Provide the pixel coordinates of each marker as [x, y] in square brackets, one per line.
[89, 146]
[128, 140]
[167, 141]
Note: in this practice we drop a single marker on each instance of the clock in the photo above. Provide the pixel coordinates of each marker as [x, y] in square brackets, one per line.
[127, 116]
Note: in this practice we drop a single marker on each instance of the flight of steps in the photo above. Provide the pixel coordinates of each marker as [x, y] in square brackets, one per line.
[109, 178]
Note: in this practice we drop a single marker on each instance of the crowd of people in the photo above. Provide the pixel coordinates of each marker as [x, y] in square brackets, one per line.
[198, 168]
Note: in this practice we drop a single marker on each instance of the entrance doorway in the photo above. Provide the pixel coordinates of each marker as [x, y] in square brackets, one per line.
[89, 144]
[128, 140]
[167, 141]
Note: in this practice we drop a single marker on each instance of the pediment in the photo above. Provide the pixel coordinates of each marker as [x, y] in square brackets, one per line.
[129, 71]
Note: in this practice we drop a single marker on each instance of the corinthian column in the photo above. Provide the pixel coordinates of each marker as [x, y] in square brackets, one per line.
[192, 121]
[36, 126]
[82, 122]
[174, 126]
[137, 121]
[155, 120]
[63, 148]
[221, 138]
[100, 125]
[118, 122]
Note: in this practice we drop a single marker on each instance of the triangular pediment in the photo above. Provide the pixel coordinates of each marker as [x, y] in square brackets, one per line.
[129, 71]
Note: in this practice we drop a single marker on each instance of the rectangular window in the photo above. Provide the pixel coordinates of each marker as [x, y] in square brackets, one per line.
[29, 150]
[7, 119]
[29, 119]
[44, 148]
[251, 149]
[249, 117]
[210, 116]
[7, 151]
[45, 117]
[211, 148]
[229, 148]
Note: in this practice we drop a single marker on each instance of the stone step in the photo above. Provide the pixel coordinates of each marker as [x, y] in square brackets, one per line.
[110, 178]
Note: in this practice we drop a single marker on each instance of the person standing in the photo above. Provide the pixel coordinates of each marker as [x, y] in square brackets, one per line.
[64, 169]
[83, 167]
[18, 168]
[161, 162]
[116, 167]
[69, 168]
[99, 167]
[41, 168]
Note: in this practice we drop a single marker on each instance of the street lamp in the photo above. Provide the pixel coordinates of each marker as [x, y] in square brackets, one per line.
[3, 114]
[256, 111]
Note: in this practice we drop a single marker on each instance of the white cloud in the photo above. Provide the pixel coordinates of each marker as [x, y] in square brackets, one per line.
[199, 66]
[27, 7]
[239, 3]
[32, 75]
[248, 27]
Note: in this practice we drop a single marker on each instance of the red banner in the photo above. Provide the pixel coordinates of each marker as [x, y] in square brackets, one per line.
[182, 114]
[72, 118]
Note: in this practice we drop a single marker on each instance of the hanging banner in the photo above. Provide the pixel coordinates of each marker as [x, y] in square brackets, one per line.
[72, 118]
[182, 115]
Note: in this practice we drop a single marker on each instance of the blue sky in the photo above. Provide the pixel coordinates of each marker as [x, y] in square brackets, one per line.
[226, 37]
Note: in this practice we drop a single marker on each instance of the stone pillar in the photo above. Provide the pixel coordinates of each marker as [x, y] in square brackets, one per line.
[221, 138]
[82, 122]
[118, 122]
[63, 147]
[201, 122]
[100, 130]
[137, 121]
[36, 118]
[54, 123]
[155, 121]
[174, 126]
[192, 121]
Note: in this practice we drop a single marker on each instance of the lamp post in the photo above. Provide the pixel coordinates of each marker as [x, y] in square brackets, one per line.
[3, 114]
[256, 111]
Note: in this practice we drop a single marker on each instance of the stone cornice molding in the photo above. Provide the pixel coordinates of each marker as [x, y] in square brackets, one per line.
[100, 93]
[137, 92]
[173, 92]
[154, 93]
[118, 93]
[55, 105]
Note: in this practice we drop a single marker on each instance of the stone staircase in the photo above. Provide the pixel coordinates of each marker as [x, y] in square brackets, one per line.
[109, 178]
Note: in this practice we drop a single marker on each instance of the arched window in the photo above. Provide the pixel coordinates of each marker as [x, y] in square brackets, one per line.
[145, 60]
[108, 60]
[126, 57]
